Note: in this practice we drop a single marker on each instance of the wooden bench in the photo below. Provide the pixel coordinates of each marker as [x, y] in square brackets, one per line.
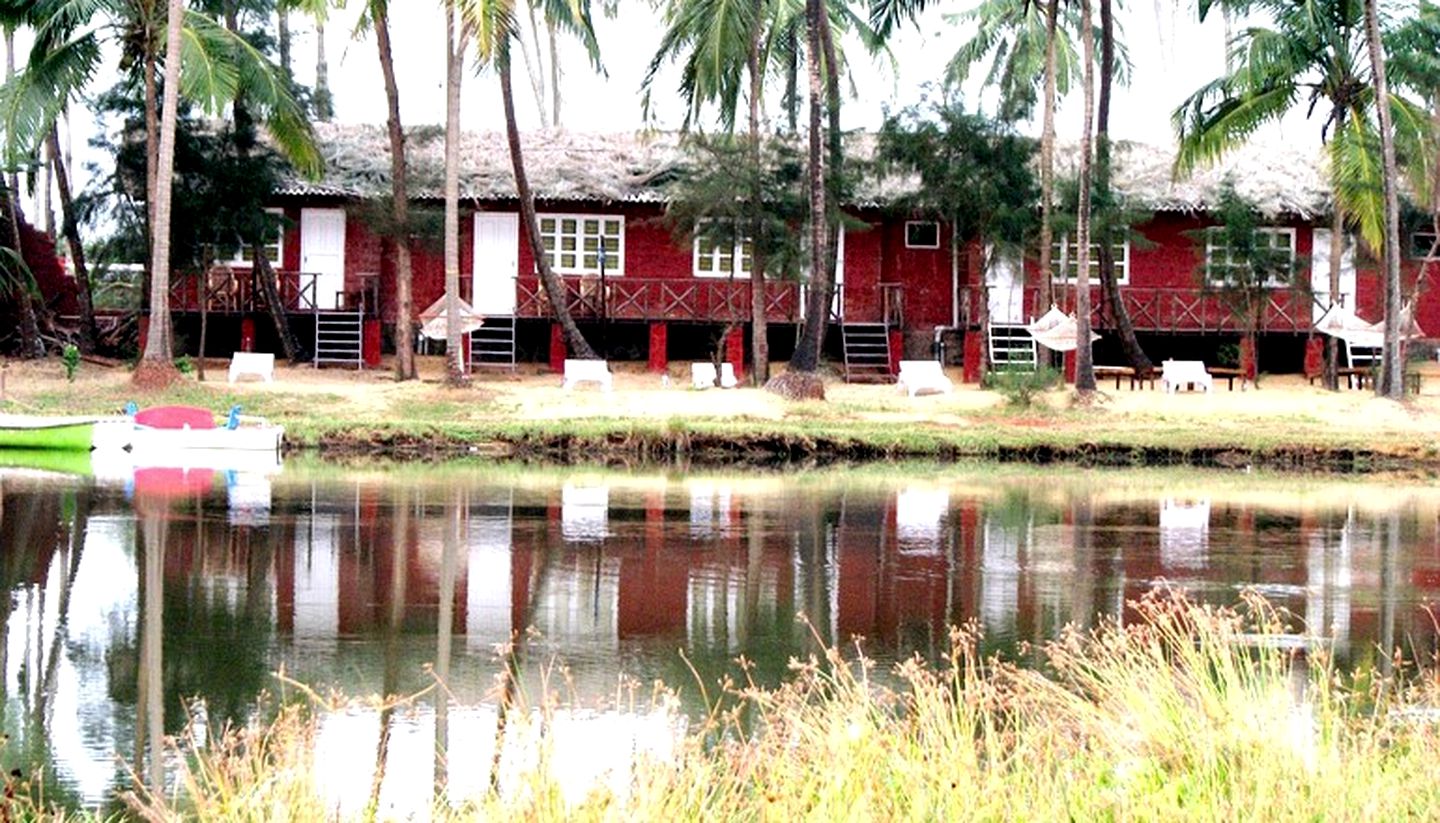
[918, 376]
[702, 376]
[587, 371]
[1177, 373]
[1137, 379]
[259, 364]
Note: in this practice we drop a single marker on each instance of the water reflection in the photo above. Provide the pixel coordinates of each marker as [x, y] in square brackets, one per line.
[136, 609]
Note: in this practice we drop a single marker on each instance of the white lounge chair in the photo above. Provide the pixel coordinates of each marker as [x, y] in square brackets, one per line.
[259, 364]
[918, 376]
[587, 371]
[702, 376]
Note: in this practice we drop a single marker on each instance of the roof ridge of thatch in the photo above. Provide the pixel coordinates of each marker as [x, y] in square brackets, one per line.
[634, 165]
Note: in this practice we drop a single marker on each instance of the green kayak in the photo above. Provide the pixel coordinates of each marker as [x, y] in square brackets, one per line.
[54, 433]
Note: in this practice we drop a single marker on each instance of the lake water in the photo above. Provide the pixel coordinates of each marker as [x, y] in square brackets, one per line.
[382, 581]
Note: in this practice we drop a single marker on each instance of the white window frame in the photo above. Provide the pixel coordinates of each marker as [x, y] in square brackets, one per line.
[1066, 245]
[242, 252]
[909, 223]
[719, 256]
[614, 258]
[1211, 247]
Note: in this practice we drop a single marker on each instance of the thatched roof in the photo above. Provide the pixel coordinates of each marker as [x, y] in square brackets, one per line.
[635, 167]
[1278, 180]
[561, 165]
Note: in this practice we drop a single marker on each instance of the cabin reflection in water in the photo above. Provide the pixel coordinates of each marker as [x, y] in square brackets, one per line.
[370, 584]
[593, 564]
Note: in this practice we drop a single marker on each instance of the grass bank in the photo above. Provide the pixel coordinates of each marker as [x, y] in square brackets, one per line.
[1287, 424]
[1187, 712]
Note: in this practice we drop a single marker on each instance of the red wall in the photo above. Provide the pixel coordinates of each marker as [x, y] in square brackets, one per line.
[1164, 256]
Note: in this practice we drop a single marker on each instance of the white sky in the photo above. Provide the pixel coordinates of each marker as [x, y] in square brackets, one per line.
[1167, 68]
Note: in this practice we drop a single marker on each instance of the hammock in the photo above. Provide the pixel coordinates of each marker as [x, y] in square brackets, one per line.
[1340, 322]
[433, 320]
[1057, 330]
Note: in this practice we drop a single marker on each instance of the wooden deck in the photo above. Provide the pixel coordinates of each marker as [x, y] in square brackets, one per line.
[1177, 310]
[235, 291]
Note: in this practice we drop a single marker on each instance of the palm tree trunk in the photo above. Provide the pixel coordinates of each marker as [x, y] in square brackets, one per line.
[156, 364]
[554, 72]
[282, 24]
[817, 308]
[324, 103]
[1043, 296]
[835, 142]
[1337, 250]
[399, 201]
[1124, 328]
[1391, 383]
[455, 43]
[554, 288]
[70, 228]
[1084, 360]
[152, 151]
[759, 333]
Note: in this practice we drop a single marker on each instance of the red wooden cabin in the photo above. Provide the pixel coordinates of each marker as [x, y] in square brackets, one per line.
[652, 296]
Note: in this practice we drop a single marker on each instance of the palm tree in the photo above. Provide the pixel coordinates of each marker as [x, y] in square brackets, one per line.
[1029, 45]
[378, 11]
[66, 56]
[1106, 205]
[495, 27]
[457, 40]
[1391, 383]
[720, 41]
[157, 365]
[1084, 362]
[1310, 55]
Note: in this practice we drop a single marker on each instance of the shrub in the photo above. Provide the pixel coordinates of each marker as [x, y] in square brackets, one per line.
[1019, 386]
[70, 356]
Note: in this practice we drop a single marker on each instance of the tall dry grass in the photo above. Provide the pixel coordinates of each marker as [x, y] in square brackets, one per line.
[1187, 712]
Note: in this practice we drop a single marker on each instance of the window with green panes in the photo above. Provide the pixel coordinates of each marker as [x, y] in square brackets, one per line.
[573, 243]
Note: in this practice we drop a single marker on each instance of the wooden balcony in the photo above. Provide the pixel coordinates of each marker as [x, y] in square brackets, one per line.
[1173, 310]
[660, 299]
[226, 290]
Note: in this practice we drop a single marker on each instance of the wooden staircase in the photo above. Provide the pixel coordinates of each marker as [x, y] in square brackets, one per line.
[492, 346]
[339, 338]
[867, 352]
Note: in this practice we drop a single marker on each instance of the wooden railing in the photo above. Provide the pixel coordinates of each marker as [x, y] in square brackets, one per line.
[1176, 310]
[224, 290]
[680, 298]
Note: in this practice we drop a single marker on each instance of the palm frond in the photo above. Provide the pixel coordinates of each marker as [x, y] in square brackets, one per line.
[31, 101]
[1358, 178]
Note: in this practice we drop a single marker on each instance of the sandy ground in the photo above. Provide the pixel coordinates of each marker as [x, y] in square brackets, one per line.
[534, 393]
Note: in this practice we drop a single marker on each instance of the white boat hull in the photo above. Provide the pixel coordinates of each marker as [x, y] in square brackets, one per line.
[148, 442]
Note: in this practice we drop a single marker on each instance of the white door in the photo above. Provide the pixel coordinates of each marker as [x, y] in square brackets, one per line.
[322, 254]
[1320, 272]
[837, 300]
[497, 262]
[1006, 287]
